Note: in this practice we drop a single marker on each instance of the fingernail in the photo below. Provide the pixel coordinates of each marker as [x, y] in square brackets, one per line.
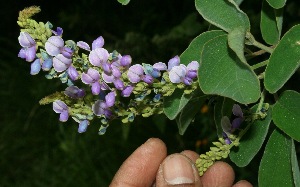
[178, 169]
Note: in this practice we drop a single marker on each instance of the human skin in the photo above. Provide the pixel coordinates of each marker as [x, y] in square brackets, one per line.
[149, 165]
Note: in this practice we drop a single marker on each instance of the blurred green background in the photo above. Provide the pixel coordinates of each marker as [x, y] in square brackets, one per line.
[38, 150]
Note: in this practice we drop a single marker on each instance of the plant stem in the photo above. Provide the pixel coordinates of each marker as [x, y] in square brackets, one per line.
[252, 41]
[260, 64]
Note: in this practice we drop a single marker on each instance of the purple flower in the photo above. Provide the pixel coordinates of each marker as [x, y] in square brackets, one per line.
[28, 51]
[92, 78]
[67, 52]
[61, 108]
[135, 73]
[99, 107]
[125, 60]
[110, 99]
[61, 63]
[177, 73]
[47, 64]
[58, 32]
[35, 67]
[160, 66]
[127, 91]
[237, 111]
[74, 92]
[98, 43]
[83, 126]
[175, 61]
[83, 45]
[119, 84]
[54, 45]
[73, 73]
[98, 56]
[192, 69]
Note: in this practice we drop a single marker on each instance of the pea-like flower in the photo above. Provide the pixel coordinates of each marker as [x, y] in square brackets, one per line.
[28, 52]
[102, 107]
[35, 67]
[83, 126]
[61, 63]
[136, 74]
[74, 92]
[183, 73]
[92, 78]
[54, 45]
[61, 108]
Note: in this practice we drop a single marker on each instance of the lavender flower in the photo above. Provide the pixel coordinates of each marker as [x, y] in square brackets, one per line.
[125, 61]
[175, 61]
[61, 108]
[54, 45]
[92, 78]
[74, 92]
[61, 63]
[28, 51]
[35, 67]
[184, 74]
[98, 43]
[73, 73]
[98, 56]
[127, 91]
[83, 126]
[58, 32]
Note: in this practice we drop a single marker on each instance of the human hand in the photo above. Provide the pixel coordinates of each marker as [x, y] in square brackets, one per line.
[149, 165]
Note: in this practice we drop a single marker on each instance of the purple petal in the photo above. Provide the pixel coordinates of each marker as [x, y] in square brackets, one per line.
[83, 126]
[63, 117]
[187, 81]
[47, 64]
[30, 53]
[125, 60]
[119, 84]
[116, 72]
[96, 88]
[83, 45]
[90, 77]
[74, 92]
[237, 111]
[73, 73]
[127, 91]
[59, 106]
[61, 63]
[177, 73]
[53, 45]
[160, 66]
[191, 74]
[135, 72]
[236, 123]
[194, 65]
[148, 79]
[22, 53]
[99, 107]
[107, 78]
[110, 99]
[106, 67]
[26, 40]
[35, 67]
[59, 31]
[98, 56]
[67, 52]
[175, 61]
[98, 43]
[108, 114]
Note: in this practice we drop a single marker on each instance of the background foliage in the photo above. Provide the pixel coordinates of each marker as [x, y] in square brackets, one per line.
[37, 150]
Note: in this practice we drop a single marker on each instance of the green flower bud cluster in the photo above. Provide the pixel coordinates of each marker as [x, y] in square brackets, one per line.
[220, 151]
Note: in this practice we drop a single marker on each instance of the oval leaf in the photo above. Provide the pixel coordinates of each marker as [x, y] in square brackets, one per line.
[252, 141]
[236, 41]
[175, 103]
[222, 73]
[268, 24]
[284, 60]
[295, 166]
[275, 167]
[224, 14]
[286, 113]
[277, 3]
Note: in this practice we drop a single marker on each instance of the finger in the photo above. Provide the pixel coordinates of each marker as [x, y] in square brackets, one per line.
[177, 169]
[242, 183]
[219, 174]
[191, 154]
[140, 168]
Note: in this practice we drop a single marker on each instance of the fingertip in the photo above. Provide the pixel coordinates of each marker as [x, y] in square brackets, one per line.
[191, 154]
[219, 174]
[243, 183]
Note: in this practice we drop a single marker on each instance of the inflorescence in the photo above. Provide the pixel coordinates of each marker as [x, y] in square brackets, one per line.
[100, 84]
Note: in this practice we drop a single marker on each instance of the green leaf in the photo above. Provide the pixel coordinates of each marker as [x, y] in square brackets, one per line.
[284, 60]
[252, 141]
[238, 2]
[236, 41]
[124, 2]
[224, 14]
[193, 52]
[223, 107]
[286, 113]
[175, 103]
[277, 3]
[222, 73]
[268, 24]
[188, 113]
[295, 166]
[275, 167]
